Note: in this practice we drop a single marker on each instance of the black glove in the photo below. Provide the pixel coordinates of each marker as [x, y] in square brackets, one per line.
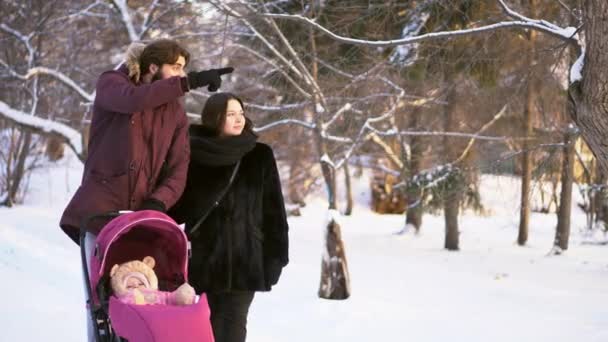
[212, 78]
[153, 204]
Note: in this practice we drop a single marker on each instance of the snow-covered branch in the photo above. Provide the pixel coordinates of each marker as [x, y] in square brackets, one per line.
[46, 127]
[576, 71]
[63, 78]
[122, 7]
[347, 106]
[392, 132]
[567, 34]
[367, 126]
[278, 108]
[285, 122]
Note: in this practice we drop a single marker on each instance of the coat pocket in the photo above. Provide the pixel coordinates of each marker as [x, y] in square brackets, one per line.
[109, 190]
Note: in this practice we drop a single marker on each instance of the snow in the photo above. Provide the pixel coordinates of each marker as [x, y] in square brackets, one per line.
[568, 31]
[406, 55]
[49, 126]
[326, 159]
[319, 109]
[333, 215]
[404, 286]
[576, 72]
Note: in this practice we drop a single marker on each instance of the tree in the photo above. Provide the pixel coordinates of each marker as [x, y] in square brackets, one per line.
[587, 75]
[562, 232]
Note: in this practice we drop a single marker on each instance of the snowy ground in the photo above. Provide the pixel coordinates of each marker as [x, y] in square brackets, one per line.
[404, 287]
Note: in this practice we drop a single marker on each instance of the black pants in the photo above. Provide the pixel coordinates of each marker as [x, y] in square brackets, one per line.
[229, 315]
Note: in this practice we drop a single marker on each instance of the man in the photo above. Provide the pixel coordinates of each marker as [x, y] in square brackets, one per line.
[138, 149]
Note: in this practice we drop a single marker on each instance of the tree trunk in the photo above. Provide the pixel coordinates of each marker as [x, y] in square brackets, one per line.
[562, 233]
[349, 191]
[335, 282]
[414, 196]
[296, 167]
[450, 211]
[14, 177]
[451, 200]
[591, 94]
[599, 197]
[526, 158]
[9, 156]
[19, 170]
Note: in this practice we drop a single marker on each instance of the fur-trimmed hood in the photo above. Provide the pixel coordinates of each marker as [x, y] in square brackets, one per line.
[132, 60]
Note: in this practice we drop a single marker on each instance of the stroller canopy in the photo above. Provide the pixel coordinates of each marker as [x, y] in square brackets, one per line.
[135, 235]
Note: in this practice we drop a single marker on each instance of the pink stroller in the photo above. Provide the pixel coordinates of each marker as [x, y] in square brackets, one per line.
[133, 236]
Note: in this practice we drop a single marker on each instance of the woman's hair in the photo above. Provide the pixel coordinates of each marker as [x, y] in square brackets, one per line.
[162, 51]
[213, 116]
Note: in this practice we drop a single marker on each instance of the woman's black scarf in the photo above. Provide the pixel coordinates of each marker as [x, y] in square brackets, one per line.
[209, 149]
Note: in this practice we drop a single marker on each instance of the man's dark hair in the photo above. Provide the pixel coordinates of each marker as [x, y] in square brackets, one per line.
[159, 52]
[213, 116]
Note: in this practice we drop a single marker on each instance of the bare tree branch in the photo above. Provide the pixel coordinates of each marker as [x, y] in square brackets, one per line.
[24, 39]
[277, 67]
[85, 12]
[272, 48]
[481, 130]
[387, 149]
[149, 14]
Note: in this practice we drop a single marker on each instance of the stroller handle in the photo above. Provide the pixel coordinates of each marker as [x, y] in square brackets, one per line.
[85, 266]
[110, 214]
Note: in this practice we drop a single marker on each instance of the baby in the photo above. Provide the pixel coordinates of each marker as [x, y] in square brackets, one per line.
[135, 282]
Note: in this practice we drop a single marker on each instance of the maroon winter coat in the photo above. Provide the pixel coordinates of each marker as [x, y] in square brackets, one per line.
[138, 148]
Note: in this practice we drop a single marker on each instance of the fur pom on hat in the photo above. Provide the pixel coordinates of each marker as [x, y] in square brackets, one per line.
[132, 60]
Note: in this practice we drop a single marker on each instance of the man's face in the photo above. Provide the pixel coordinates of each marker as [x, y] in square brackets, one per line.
[170, 70]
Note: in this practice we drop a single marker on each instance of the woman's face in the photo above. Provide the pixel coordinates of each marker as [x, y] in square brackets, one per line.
[235, 119]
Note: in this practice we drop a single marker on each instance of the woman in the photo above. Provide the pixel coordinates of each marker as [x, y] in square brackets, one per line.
[241, 245]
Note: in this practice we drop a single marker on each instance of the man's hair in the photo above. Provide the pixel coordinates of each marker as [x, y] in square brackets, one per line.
[162, 51]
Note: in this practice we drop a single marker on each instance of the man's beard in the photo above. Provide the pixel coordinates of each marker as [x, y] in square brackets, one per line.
[157, 76]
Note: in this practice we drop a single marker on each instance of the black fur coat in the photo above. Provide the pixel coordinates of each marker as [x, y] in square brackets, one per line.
[243, 243]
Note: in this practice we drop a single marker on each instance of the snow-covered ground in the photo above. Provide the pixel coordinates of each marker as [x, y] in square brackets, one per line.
[404, 287]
